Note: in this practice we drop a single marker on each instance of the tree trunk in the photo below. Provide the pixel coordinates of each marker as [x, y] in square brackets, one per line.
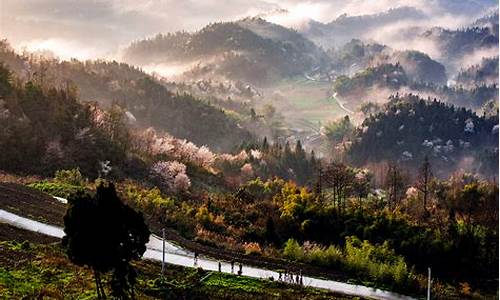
[98, 290]
[101, 294]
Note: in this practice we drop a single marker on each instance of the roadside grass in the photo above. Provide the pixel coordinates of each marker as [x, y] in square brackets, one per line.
[227, 286]
[36, 271]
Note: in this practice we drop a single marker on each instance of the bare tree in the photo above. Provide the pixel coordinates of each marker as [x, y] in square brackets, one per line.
[423, 182]
[338, 177]
[395, 185]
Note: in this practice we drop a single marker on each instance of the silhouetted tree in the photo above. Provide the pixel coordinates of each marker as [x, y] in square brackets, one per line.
[105, 234]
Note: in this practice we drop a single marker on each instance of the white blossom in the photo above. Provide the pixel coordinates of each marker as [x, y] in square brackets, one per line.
[406, 155]
[411, 192]
[173, 174]
[105, 167]
[427, 143]
[256, 154]
[469, 126]
[495, 129]
[247, 170]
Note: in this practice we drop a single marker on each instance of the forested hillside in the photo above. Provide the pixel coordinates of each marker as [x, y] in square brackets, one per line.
[44, 129]
[409, 129]
[456, 45]
[356, 56]
[485, 73]
[147, 100]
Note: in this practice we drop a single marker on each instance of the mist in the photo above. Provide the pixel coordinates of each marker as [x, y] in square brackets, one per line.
[97, 29]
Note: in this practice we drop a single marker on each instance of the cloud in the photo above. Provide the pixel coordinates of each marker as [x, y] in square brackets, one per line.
[62, 48]
[477, 56]
[100, 27]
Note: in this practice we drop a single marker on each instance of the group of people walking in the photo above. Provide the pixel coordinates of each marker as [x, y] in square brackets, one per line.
[289, 277]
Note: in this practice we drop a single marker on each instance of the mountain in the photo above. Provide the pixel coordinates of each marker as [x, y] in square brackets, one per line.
[419, 67]
[377, 83]
[45, 128]
[145, 98]
[462, 46]
[251, 49]
[345, 27]
[357, 55]
[360, 85]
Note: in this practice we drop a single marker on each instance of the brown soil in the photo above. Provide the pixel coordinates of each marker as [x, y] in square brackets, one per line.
[11, 233]
[31, 203]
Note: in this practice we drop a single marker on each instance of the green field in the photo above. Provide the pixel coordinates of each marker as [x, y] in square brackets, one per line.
[302, 101]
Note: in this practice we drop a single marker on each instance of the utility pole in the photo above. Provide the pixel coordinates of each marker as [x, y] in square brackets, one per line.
[163, 252]
[429, 285]
[319, 184]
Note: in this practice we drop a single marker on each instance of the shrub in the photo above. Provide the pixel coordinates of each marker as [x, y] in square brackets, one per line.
[252, 248]
[376, 262]
[71, 177]
[326, 257]
[149, 200]
[379, 262]
[293, 251]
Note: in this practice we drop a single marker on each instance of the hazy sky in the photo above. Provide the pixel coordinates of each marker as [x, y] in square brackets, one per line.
[90, 28]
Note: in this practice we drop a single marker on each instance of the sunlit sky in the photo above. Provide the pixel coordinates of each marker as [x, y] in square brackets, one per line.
[99, 28]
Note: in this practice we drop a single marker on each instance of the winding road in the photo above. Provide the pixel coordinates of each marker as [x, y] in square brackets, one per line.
[334, 96]
[178, 256]
[341, 104]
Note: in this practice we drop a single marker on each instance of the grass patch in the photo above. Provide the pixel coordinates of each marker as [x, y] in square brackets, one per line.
[57, 189]
[241, 283]
[302, 100]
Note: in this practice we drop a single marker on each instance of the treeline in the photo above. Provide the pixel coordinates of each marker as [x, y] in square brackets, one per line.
[469, 96]
[485, 73]
[284, 161]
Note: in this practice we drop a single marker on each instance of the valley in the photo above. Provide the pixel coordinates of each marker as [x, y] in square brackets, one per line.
[291, 150]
